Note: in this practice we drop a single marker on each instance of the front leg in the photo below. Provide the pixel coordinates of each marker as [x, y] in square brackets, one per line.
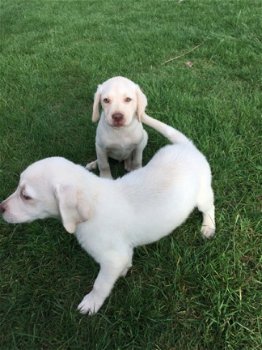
[137, 154]
[103, 164]
[110, 271]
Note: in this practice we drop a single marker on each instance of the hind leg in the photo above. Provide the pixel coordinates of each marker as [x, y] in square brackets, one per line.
[206, 206]
[92, 165]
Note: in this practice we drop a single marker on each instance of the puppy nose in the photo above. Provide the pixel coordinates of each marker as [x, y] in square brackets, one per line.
[2, 208]
[117, 116]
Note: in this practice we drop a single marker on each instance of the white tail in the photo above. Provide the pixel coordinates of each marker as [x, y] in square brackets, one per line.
[169, 132]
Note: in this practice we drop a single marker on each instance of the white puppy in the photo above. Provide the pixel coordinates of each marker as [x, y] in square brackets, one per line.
[120, 134]
[110, 217]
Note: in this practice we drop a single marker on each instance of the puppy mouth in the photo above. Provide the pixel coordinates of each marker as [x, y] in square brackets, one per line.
[10, 219]
[118, 124]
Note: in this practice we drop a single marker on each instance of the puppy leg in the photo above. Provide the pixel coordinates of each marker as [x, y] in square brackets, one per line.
[92, 165]
[103, 164]
[125, 271]
[137, 155]
[206, 206]
[128, 163]
[109, 272]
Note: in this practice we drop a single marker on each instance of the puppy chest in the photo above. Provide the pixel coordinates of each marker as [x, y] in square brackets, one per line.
[120, 152]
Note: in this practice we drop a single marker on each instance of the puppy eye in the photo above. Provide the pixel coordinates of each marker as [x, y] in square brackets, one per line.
[128, 99]
[25, 197]
[106, 100]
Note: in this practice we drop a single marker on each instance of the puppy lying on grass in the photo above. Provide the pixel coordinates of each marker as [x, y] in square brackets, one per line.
[120, 134]
[110, 218]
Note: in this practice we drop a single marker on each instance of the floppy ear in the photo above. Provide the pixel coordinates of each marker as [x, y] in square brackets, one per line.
[95, 115]
[72, 207]
[141, 103]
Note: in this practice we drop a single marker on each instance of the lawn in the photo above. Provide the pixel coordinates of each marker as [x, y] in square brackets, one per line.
[199, 63]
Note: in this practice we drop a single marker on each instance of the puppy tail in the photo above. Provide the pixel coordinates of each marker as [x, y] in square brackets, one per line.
[173, 135]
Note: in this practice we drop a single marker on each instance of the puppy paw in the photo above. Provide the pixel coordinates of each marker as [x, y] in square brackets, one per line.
[208, 231]
[106, 174]
[92, 165]
[90, 304]
[135, 166]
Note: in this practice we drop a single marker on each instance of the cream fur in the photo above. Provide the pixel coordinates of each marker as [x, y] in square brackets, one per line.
[127, 140]
[110, 218]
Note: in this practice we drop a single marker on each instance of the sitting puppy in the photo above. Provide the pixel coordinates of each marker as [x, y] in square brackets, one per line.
[120, 134]
[110, 218]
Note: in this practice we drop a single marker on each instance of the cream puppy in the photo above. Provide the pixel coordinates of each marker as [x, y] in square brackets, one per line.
[110, 218]
[120, 134]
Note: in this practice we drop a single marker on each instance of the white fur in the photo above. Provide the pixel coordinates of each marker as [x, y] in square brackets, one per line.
[110, 218]
[123, 141]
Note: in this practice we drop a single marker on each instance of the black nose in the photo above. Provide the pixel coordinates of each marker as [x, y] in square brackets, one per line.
[117, 117]
[2, 208]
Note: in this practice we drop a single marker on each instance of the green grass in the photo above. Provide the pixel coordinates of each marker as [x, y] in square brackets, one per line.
[182, 292]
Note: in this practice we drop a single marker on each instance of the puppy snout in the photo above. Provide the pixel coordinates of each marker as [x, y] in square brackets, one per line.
[2, 208]
[117, 117]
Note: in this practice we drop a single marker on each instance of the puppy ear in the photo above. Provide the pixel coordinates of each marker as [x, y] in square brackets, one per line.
[95, 115]
[72, 207]
[141, 103]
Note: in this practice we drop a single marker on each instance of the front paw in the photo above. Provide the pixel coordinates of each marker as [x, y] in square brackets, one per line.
[131, 165]
[207, 231]
[90, 304]
[106, 174]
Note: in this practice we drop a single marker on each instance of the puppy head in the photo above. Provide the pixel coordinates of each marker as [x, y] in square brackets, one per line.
[121, 101]
[46, 190]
